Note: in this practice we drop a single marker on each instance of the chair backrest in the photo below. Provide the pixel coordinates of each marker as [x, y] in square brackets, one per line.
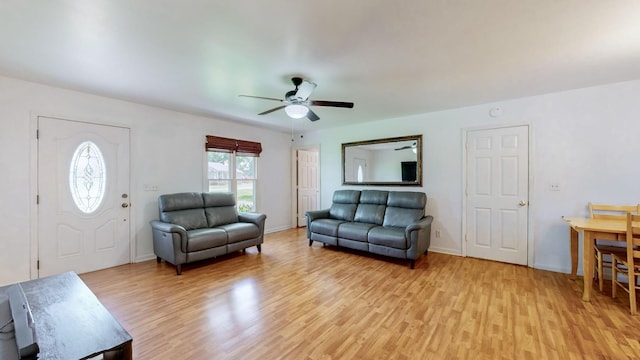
[633, 238]
[612, 212]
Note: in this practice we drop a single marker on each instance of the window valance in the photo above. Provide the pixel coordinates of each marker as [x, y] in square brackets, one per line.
[241, 147]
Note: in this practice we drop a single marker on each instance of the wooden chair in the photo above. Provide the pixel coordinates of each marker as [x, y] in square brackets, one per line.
[608, 212]
[629, 263]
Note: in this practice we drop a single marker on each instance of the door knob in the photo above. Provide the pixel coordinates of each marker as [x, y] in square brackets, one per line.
[125, 205]
[522, 203]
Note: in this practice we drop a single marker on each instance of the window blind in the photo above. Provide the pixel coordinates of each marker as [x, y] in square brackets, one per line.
[242, 147]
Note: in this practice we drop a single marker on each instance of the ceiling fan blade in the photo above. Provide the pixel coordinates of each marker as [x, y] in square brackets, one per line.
[261, 97]
[272, 110]
[312, 116]
[304, 90]
[332, 103]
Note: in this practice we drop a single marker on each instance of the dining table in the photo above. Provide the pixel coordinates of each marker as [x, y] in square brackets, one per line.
[591, 229]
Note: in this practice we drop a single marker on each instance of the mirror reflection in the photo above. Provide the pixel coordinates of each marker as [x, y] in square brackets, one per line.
[391, 161]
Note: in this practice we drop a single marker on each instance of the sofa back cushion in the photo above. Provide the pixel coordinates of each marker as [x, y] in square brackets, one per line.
[404, 208]
[344, 204]
[184, 209]
[372, 206]
[220, 208]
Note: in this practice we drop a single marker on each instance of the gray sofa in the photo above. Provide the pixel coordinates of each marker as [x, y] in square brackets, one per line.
[390, 223]
[197, 226]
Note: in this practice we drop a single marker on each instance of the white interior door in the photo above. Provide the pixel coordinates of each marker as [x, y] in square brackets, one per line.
[497, 187]
[308, 183]
[83, 192]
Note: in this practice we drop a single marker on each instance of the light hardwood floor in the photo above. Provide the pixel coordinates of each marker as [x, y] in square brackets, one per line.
[293, 301]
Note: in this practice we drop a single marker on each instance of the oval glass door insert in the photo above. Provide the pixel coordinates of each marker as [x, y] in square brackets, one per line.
[87, 177]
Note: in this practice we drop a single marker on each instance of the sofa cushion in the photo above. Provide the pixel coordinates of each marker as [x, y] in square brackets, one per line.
[344, 204]
[326, 226]
[378, 197]
[189, 219]
[388, 236]
[220, 208]
[180, 201]
[401, 217]
[354, 230]
[240, 231]
[404, 208]
[202, 239]
[370, 213]
[346, 196]
[184, 209]
[221, 215]
[344, 212]
[407, 199]
[218, 199]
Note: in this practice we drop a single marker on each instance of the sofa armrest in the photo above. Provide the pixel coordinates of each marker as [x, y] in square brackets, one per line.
[421, 224]
[316, 214]
[419, 234]
[255, 218]
[168, 228]
[168, 239]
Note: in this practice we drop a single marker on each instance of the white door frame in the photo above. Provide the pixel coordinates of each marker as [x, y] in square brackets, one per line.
[294, 180]
[531, 205]
[33, 237]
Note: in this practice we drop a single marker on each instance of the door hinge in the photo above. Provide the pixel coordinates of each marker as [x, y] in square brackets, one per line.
[37, 134]
[37, 199]
[38, 265]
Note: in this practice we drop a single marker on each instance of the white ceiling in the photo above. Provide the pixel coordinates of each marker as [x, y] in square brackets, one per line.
[391, 58]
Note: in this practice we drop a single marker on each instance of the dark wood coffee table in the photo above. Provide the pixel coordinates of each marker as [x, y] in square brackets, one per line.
[71, 323]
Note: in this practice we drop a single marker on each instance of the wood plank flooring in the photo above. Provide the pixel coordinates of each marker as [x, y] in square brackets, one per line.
[293, 301]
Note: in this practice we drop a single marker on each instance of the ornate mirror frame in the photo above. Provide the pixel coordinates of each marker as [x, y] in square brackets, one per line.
[383, 162]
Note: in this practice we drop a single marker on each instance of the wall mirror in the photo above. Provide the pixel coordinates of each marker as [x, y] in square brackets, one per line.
[391, 161]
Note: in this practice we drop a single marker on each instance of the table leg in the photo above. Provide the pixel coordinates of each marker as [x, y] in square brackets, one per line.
[587, 264]
[573, 235]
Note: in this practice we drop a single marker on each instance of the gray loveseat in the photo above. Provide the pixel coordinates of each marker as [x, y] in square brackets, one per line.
[390, 223]
[197, 226]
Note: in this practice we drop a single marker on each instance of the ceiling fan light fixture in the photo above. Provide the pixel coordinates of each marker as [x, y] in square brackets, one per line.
[296, 111]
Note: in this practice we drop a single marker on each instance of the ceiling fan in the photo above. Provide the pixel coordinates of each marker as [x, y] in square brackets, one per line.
[412, 146]
[297, 103]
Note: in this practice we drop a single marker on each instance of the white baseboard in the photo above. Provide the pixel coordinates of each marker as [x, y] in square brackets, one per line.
[445, 251]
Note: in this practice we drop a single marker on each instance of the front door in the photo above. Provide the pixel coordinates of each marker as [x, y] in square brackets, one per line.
[497, 187]
[83, 196]
[308, 183]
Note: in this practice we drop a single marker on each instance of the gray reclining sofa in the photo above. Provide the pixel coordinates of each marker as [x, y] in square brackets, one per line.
[197, 226]
[390, 223]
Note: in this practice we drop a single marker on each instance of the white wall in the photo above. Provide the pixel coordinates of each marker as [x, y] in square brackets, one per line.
[167, 150]
[585, 140]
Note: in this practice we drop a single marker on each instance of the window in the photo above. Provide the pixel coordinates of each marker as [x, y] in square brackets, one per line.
[87, 177]
[232, 166]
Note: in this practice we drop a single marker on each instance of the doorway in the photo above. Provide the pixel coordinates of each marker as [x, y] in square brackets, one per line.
[307, 183]
[83, 196]
[497, 193]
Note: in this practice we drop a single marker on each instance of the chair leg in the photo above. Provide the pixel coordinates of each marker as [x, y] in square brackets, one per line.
[614, 278]
[179, 269]
[600, 272]
[632, 295]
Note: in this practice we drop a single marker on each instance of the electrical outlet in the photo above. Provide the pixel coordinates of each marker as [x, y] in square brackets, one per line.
[437, 233]
[554, 187]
